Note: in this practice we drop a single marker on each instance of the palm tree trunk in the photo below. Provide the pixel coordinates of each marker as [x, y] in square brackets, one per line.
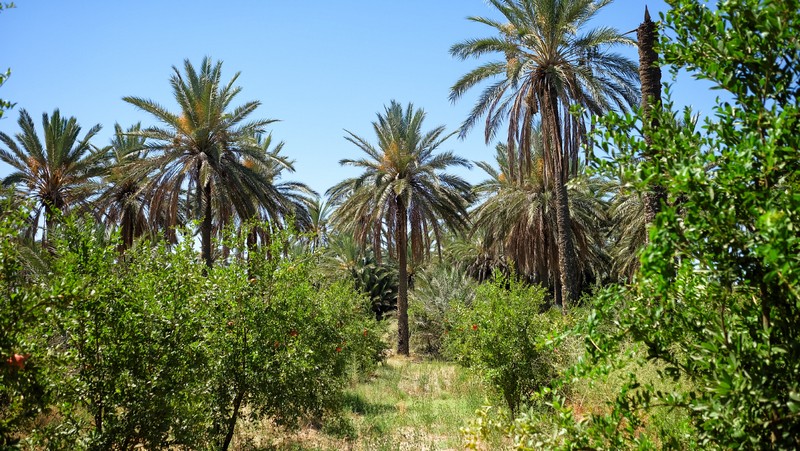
[205, 227]
[566, 247]
[402, 280]
[650, 78]
[554, 150]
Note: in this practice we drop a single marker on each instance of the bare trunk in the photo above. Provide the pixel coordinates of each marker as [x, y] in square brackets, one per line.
[566, 248]
[205, 227]
[237, 403]
[402, 282]
[650, 78]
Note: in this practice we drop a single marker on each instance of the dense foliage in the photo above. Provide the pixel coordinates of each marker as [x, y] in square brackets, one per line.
[147, 350]
[716, 303]
[175, 303]
[502, 334]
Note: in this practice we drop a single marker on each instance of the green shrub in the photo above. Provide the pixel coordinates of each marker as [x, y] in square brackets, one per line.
[503, 335]
[284, 343]
[437, 290]
[152, 349]
[717, 299]
[23, 372]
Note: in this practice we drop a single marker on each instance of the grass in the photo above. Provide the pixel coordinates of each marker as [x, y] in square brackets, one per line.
[407, 404]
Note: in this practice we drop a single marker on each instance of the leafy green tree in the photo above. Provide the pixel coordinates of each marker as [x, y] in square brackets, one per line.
[501, 334]
[549, 67]
[23, 374]
[207, 152]
[282, 341]
[56, 175]
[403, 187]
[717, 300]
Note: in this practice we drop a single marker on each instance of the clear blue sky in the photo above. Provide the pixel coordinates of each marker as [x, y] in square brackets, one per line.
[319, 66]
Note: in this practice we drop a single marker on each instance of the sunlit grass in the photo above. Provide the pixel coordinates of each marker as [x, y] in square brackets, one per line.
[406, 404]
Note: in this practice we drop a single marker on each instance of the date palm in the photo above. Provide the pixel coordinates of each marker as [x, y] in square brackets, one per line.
[55, 173]
[403, 192]
[517, 221]
[549, 66]
[201, 152]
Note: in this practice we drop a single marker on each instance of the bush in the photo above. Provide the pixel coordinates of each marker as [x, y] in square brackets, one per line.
[146, 349]
[503, 335]
[23, 374]
[437, 290]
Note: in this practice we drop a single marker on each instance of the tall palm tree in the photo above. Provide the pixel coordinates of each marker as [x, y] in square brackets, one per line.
[56, 173]
[284, 201]
[202, 152]
[403, 191]
[549, 66]
[318, 211]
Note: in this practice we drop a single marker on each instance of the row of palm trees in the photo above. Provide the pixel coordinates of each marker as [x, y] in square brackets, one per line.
[210, 163]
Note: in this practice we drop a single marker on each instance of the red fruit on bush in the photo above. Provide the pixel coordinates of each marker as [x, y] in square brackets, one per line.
[474, 327]
[339, 349]
[293, 333]
[365, 332]
[18, 361]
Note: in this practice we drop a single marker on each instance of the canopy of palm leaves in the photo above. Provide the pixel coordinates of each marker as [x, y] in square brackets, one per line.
[403, 168]
[55, 173]
[209, 152]
[122, 204]
[516, 221]
[548, 66]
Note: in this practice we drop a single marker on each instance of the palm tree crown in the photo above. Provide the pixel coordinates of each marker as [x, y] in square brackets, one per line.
[403, 186]
[202, 152]
[56, 173]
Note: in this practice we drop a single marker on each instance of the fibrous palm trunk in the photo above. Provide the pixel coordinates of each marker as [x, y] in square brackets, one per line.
[402, 282]
[205, 226]
[558, 176]
[650, 78]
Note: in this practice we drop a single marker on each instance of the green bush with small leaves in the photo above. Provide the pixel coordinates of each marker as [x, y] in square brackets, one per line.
[503, 335]
[151, 348]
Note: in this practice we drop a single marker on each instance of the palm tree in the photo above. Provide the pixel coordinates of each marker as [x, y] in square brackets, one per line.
[628, 232]
[203, 151]
[318, 212]
[56, 175]
[548, 68]
[517, 221]
[121, 204]
[402, 191]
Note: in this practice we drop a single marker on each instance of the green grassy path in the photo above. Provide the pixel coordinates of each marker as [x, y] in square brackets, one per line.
[406, 405]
